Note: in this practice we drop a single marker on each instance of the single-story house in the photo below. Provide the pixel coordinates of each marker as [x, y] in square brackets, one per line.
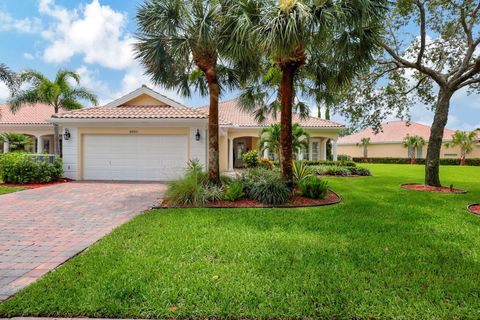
[147, 136]
[31, 120]
[389, 142]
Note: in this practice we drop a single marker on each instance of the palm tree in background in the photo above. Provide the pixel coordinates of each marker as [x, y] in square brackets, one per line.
[364, 142]
[270, 139]
[414, 143]
[59, 94]
[16, 141]
[8, 77]
[466, 141]
[319, 36]
[183, 44]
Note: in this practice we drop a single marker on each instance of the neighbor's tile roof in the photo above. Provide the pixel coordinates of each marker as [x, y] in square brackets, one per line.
[36, 114]
[134, 112]
[394, 131]
[231, 114]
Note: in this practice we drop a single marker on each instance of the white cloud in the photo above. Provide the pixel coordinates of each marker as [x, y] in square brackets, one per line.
[26, 25]
[28, 56]
[4, 92]
[95, 31]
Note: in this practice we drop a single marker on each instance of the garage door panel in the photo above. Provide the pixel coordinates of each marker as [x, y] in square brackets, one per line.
[123, 157]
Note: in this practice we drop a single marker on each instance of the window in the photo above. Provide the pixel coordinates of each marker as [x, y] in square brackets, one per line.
[315, 151]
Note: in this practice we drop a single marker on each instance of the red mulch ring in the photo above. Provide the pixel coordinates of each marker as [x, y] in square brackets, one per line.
[35, 185]
[422, 187]
[474, 208]
[296, 202]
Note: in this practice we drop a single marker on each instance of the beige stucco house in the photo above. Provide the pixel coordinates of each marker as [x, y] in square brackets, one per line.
[31, 120]
[389, 142]
[147, 136]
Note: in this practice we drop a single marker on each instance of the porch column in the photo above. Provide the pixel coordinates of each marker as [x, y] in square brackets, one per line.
[39, 144]
[265, 152]
[6, 147]
[324, 149]
[334, 150]
[230, 154]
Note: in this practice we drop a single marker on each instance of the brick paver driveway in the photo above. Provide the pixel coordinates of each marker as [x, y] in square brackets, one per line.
[42, 228]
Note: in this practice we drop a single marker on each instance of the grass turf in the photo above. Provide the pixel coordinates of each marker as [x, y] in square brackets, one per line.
[5, 190]
[385, 252]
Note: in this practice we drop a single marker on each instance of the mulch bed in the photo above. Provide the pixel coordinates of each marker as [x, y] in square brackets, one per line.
[296, 202]
[422, 187]
[35, 185]
[474, 208]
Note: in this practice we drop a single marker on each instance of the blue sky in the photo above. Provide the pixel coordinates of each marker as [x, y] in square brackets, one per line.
[94, 38]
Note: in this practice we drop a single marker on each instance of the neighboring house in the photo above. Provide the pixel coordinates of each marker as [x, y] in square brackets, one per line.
[147, 136]
[31, 120]
[389, 142]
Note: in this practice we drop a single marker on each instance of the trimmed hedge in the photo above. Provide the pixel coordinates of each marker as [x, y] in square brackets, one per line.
[340, 163]
[22, 168]
[444, 161]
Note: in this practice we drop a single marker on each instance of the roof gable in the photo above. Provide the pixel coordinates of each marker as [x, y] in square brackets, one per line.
[144, 95]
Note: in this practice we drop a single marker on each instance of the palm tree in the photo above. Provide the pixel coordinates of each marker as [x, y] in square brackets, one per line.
[364, 142]
[8, 77]
[270, 139]
[297, 35]
[16, 141]
[466, 141]
[413, 143]
[59, 94]
[182, 44]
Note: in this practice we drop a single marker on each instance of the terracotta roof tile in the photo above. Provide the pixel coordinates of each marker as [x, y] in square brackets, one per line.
[37, 114]
[394, 131]
[134, 112]
[231, 114]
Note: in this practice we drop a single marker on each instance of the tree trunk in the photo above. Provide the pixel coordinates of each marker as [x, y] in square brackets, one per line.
[432, 163]
[413, 160]
[365, 154]
[286, 100]
[213, 154]
[462, 160]
[327, 112]
[56, 139]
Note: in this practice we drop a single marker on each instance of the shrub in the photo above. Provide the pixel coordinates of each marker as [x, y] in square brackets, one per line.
[314, 187]
[329, 163]
[359, 171]
[23, 168]
[344, 157]
[265, 186]
[273, 192]
[301, 171]
[193, 189]
[234, 191]
[266, 163]
[250, 159]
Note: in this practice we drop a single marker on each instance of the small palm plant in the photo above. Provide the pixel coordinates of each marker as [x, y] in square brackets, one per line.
[301, 171]
[59, 94]
[466, 141]
[364, 142]
[270, 139]
[16, 141]
[414, 143]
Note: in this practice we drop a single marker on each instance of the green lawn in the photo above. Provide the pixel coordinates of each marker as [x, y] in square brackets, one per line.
[385, 252]
[5, 190]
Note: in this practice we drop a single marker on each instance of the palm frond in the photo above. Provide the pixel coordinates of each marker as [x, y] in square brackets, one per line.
[24, 97]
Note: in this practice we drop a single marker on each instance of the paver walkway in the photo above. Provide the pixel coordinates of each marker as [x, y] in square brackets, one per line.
[42, 228]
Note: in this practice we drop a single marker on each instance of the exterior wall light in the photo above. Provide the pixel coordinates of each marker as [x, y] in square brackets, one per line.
[66, 134]
[197, 135]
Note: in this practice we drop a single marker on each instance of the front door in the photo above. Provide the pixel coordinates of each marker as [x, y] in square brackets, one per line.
[240, 147]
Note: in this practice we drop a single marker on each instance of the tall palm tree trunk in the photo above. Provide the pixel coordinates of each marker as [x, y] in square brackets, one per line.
[213, 154]
[56, 138]
[432, 165]
[286, 100]
[413, 159]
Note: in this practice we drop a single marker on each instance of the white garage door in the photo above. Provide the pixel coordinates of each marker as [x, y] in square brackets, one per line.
[134, 157]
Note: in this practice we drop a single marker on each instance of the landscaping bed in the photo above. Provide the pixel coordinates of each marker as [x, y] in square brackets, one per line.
[474, 208]
[296, 201]
[425, 188]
